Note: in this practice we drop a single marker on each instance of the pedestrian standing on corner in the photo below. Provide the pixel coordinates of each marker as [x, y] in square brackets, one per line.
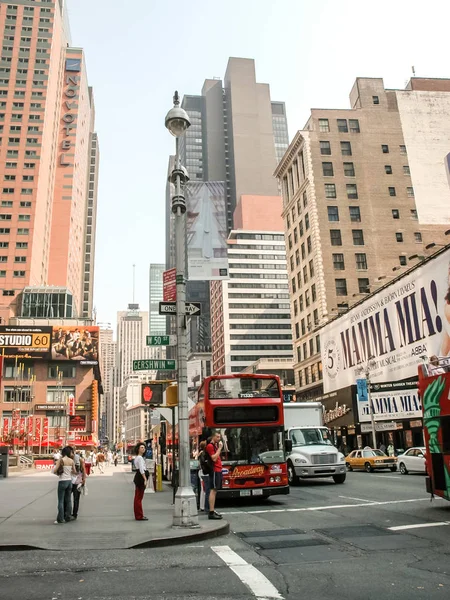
[214, 448]
[391, 449]
[140, 481]
[65, 468]
[101, 461]
[88, 463]
[56, 456]
[115, 459]
[78, 481]
[204, 476]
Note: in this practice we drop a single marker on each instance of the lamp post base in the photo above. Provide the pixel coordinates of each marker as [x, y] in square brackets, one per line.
[185, 512]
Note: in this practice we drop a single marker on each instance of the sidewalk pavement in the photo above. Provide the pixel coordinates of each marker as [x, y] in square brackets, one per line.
[28, 507]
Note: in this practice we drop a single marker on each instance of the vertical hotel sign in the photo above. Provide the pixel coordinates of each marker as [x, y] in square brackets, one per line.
[70, 106]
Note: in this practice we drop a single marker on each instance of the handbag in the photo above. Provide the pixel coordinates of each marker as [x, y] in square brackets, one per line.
[60, 468]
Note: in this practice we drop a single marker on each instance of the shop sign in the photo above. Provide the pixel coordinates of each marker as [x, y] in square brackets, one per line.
[80, 407]
[340, 410]
[388, 426]
[417, 423]
[50, 407]
[43, 465]
[391, 405]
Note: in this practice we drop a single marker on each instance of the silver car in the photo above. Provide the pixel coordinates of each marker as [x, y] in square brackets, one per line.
[413, 460]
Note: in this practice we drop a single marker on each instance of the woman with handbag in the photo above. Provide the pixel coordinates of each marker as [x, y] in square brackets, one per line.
[65, 468]
[140, 482]
[78, 482]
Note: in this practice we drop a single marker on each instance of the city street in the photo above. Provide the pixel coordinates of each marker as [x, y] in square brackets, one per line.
[376, 536]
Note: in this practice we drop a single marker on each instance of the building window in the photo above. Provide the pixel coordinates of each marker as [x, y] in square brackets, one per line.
[303, 251]
[354, 126]
[294, 287]
[307, 221]
[349, 169]
[19, 273]
[346, 149]
[307, 298]
[406, 170]
[324, 125]
[352, 191]
[338, 262]
[330, 190]
[384, 148]
[395, 213]
[363, 286]
[333, 213]
[358, 237]
[375, 100]
[413, 212]
[305, 274]
[311, 268]
[402, 260]
[325, 148]
[313, 292]
[361, 261]
[300, 300]
[399, 237]
[402, 149]
[417, 236]
[309, 244]
[341, 287]
[327, 169]
[297, 331]
[335, 237]
[388, 169]
[410, 192]
[342, 125]
[392, 191]
[355, 214]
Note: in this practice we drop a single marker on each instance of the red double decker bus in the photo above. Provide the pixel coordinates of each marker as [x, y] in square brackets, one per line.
[247, 410]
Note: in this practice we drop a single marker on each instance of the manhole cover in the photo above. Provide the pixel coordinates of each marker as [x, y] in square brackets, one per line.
[276, 545]
[354, 531]
[269, 533]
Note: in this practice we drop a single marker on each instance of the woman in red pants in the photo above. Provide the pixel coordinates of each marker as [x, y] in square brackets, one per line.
[140, 482]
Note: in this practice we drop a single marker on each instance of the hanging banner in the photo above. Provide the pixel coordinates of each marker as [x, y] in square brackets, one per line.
[71, 405]
[45, 439]
[37, 431]
[5, 428]
[207, 232]
[394, 330]
[30, 429]
[15, 420]
[22, 428]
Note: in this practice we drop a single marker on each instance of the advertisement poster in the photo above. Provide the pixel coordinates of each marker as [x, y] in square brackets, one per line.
[45, 439]
[206, 231]
[394, 329]
[391, 402]
[169, 285]
[25, 341]
[77, 423]
[76, 343]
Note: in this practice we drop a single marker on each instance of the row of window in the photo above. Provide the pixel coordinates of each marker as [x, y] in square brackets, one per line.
[17, 259]
[22, 245]
[11, 369]
[265, 286]
[13, 178]
[256, 275]
[336, 237]
[8, 217]
[343, 125]
[257, 256]
[20, 231]
[310, 296]
[355, 214]
[360, 261]
[275, 267]
[235, 347]
[260, 326]
[311, 374]
[15, 273]
[341, 286]
[261, 336]
[307, 324]
[23, 191]
[314, 348]
[261, 296]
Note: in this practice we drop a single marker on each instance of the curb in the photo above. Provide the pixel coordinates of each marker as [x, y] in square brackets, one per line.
[196, 535]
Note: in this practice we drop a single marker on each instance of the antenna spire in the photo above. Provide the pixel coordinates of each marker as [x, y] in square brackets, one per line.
[134, 281]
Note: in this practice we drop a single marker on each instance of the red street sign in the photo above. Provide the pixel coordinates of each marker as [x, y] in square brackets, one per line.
[169, 285]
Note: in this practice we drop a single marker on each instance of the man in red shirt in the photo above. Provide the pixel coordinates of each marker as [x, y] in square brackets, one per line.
[214, 448]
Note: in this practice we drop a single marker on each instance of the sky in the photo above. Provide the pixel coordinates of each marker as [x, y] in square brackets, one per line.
[139, 51]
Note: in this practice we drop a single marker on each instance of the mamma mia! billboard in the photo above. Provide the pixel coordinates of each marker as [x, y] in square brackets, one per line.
[393, 329]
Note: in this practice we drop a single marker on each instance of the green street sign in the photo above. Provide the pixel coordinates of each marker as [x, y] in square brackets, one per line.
[154, 365]
[161, 340]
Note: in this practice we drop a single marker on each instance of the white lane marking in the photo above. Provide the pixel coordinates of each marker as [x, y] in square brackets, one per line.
[419, 526]
[353, 498]
[257, 583]
[389, 476]
[332, 507]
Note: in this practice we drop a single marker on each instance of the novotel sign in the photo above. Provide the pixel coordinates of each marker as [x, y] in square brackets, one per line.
[69, 104]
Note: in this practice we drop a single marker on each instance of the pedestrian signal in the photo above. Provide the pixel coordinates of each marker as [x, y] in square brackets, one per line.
[152, 393]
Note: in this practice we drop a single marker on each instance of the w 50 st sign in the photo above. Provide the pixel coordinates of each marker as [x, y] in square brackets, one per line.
[393, 329]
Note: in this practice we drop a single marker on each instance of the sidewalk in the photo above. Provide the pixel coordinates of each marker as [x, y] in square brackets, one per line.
[105, 519]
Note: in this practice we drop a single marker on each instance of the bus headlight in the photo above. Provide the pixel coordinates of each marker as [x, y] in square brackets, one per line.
[277, 479]
[272, 480]
[226, 482]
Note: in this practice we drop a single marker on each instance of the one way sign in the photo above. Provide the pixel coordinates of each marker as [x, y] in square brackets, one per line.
[193, 309]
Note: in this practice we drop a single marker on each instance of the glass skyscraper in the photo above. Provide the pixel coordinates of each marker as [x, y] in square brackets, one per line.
[157, 322]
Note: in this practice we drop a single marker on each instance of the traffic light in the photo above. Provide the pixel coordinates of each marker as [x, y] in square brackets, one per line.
[152, 393]
[172, 395]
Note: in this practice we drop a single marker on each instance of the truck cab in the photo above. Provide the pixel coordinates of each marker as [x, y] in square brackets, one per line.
[313, 454]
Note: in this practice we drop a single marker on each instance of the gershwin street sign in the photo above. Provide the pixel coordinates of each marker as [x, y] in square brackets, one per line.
[193, 309]
[161, 340]
[154, 365]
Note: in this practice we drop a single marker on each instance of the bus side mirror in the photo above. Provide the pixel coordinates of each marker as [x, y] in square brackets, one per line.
[288, 445]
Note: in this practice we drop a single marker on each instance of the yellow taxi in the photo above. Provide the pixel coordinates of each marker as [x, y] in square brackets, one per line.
[370, 460]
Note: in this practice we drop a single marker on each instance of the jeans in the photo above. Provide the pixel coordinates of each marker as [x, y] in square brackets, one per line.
[64, 500]
[76, 499]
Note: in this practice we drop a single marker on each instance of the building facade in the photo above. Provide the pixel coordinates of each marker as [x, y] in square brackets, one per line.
[157, 322]
[107, 364]
[251, 311]
[132, 329]
[350, 209]
[47, 120]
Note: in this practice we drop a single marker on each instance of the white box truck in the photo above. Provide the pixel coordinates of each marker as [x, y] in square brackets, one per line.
[313, 454]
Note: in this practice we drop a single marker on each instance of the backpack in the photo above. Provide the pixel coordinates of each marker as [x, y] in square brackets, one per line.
[206, 463]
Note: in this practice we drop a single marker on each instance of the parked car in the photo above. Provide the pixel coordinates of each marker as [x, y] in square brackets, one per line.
[413, 460]
[370, 460]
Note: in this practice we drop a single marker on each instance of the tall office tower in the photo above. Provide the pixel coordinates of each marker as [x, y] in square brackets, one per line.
[157, 322]
[132, 329]
[365, 190]
[90, 227]
[47, 120]
[251, 311]
[107, 362]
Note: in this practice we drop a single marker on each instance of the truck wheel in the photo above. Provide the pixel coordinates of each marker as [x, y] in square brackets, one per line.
[292, 477]
[368, 467]
[339, 478]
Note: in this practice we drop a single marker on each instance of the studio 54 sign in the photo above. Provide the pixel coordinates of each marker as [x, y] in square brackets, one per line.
[393, 329]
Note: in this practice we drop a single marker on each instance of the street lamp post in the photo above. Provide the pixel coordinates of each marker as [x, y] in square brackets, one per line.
[185, 508]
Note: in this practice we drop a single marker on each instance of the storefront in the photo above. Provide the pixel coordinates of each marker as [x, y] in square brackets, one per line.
[339, 417]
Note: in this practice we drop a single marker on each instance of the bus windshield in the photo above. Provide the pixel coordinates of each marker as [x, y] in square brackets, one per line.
[252, 445]
[245, 387]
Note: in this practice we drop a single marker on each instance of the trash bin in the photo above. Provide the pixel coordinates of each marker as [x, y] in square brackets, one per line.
[4, 461]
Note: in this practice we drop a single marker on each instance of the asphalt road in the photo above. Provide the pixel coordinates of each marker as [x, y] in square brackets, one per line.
[322, 541]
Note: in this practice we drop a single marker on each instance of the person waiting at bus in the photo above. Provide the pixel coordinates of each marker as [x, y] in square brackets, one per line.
[214, 448]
